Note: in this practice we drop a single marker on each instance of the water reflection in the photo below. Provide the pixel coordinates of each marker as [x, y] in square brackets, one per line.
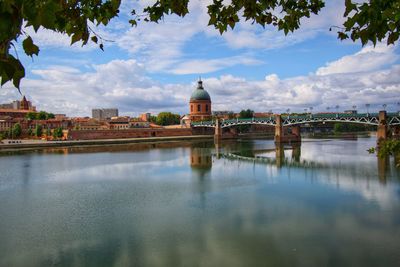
[383, 168]
[246, 203]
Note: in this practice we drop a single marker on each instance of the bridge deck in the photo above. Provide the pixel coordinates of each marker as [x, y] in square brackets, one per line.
[365, 118]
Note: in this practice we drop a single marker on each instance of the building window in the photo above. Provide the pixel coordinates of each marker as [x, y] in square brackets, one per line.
[198, 108]
[191, 108]
[206, 107]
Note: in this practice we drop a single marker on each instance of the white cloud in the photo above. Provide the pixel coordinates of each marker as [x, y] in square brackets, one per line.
[119, 83]
[160, 46]
[368, 59]
[125, 84]
[211, 65]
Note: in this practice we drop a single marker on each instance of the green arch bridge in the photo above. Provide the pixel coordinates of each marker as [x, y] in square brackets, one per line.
[382, 119]
[288, 120]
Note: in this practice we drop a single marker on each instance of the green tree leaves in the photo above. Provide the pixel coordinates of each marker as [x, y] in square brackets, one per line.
[246, 114]
[11, 69]
[17, 130]
[371, 21]
[42, 115]
[29, 47]
[167, 118]
[58, 132]
[38, 130]
[69, 17]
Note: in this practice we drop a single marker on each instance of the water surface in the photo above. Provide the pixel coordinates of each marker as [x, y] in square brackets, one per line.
[245, 203]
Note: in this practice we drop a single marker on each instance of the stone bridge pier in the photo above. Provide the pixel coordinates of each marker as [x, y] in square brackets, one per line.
[383, 131]
[218, 131]
[281, 137]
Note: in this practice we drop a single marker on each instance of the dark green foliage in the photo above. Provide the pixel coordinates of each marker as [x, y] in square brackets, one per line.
[245, 114]
[387, 148]
[370, 21]
[30, 132]
[30, 116]
[168, 118]
[38, 130]
[3, 135]
[16, 130]
[42, 115]
[65, 16]
[58, 132]
[352, 127]
[153, 119]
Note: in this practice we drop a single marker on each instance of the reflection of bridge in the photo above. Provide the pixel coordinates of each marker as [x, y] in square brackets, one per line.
[382, 119]
[279, 162]
[296, 162]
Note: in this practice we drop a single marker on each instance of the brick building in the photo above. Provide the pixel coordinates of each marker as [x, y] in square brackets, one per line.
[19, 105]
[200, 104]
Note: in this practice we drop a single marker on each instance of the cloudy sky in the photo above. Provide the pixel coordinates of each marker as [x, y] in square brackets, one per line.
[154, 67]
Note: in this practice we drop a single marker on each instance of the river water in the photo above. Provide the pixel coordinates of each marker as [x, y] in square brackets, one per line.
[244, 203]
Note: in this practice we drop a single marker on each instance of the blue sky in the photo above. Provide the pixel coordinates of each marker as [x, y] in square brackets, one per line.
[154, 67]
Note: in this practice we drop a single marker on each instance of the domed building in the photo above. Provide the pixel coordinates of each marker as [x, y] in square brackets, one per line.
[200, 104]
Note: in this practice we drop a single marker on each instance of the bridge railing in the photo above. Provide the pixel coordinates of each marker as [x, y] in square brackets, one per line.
[331, 116]
[317, 116]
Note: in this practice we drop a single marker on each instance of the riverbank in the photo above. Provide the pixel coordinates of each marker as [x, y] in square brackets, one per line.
[27, 145]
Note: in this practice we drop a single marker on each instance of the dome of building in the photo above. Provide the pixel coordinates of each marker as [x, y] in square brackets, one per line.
[200, 93]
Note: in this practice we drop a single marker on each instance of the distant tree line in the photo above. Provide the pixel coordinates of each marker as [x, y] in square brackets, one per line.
[166, 118]
[352, 127]
[245, 114]
[13, 132]
[16, 131]
[42, 115]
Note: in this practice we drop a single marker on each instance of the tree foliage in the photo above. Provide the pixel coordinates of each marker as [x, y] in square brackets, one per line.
[153, 119]
[387, 148]
[371, 20]
[38, 130]
[168, 118]
[352, 127]
[70, 17]
[16, 130]
[58, 132]
[246, 114]
[42, 115]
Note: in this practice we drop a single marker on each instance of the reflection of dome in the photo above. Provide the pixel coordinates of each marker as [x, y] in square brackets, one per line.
[200, 93]
[200, 158]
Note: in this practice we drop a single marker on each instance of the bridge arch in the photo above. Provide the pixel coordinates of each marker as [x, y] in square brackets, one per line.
[382, 120]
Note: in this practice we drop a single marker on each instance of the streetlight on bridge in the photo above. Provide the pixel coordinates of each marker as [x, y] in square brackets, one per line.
[367, 106]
